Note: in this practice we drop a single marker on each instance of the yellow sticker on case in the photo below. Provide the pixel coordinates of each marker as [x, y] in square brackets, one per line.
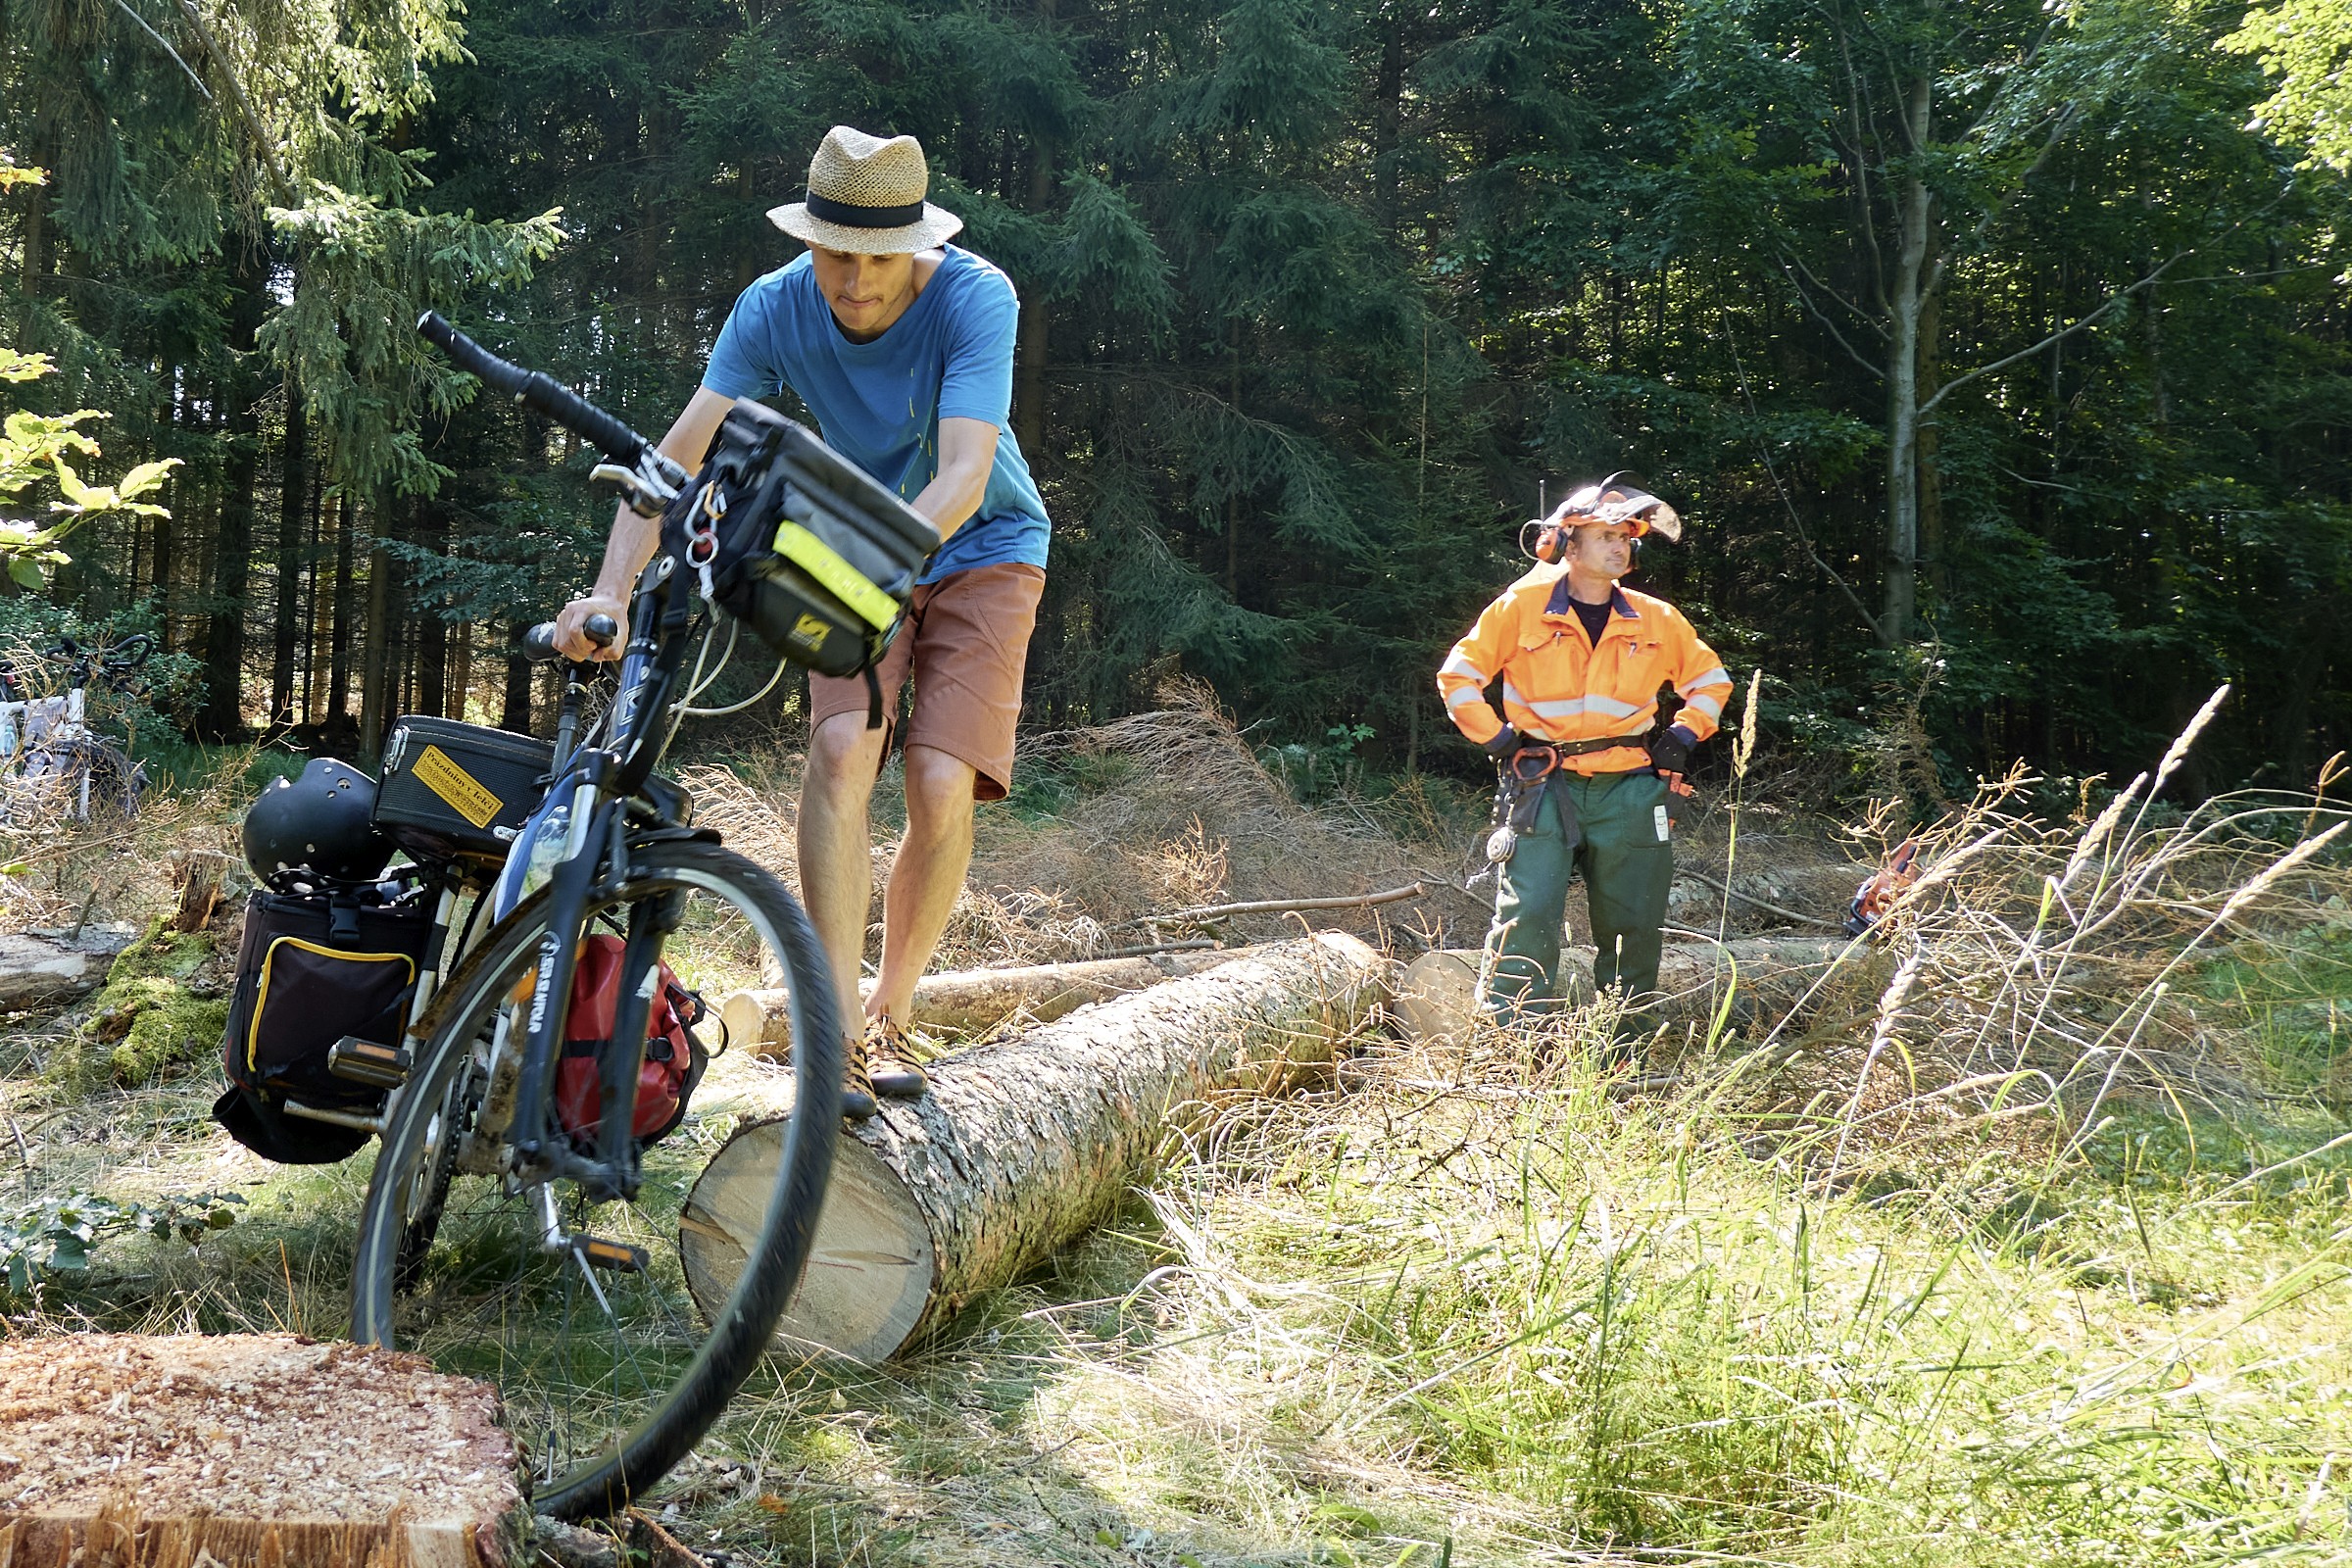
[464, 793]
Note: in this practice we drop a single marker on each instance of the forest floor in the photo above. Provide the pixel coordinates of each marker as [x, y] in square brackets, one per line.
[1900, 1281]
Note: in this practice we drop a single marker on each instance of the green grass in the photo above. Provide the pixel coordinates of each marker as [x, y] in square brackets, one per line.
[1511, 1320]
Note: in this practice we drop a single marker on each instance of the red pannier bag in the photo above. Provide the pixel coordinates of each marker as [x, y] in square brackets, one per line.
[673, 1059]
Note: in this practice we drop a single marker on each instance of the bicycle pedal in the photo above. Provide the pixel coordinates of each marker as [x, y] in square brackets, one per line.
[617, 1256]
[364, 1061]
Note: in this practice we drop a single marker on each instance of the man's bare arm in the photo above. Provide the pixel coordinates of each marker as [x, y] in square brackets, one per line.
[967, 455]
[631, 543]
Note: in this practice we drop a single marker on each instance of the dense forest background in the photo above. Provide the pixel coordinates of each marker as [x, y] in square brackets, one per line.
[1997, 350]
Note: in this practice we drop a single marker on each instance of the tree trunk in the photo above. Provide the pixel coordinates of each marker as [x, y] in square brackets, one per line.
[239, 1449]
[338, 631]
[223, 716]
[375, 658]
[1387, 118]
[1903, 305]
[515, 711]
[38, 971]
[1020, 1148]
[293, 489]
[1029, 405]
[969, 1001]
[1437, 995]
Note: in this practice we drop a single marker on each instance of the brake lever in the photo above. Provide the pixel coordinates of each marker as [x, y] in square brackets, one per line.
[649, 489]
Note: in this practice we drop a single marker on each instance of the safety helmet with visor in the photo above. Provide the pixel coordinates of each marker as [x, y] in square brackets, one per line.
[1612, 500]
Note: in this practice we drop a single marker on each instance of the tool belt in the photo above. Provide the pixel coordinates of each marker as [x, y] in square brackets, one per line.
[1519, 791]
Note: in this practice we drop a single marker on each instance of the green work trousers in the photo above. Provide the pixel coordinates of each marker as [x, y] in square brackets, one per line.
[1626, 854]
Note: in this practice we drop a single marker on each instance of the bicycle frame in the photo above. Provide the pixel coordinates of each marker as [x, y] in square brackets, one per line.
[591, 792]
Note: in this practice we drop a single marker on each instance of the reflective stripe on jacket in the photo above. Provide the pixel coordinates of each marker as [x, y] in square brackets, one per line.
[1556, 686]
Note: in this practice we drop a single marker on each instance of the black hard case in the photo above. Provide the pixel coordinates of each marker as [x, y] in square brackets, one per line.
[449, 787]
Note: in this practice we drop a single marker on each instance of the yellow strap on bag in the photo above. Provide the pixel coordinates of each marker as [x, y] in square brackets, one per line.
[844, 581]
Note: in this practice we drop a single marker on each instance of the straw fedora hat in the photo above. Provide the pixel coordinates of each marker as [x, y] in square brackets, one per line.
[865, 195]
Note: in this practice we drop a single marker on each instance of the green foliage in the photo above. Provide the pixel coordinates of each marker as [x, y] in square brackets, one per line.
[53, 1235]
[31, 443]
[2306, 46]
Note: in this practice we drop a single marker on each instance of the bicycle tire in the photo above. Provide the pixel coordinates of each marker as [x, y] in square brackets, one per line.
[601, 1464]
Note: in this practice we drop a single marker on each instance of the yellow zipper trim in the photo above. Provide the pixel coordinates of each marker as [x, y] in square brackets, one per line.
[261, 996]
[846, 583]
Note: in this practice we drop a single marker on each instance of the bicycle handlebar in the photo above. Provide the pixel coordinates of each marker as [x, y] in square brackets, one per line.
[539, 642]
[538, 392]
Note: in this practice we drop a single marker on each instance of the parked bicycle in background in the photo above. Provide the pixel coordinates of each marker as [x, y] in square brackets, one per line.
[54, 768]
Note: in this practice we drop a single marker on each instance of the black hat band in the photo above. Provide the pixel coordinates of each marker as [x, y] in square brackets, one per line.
[851, 216]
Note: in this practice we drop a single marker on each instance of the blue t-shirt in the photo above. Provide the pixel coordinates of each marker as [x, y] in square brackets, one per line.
[879, 404]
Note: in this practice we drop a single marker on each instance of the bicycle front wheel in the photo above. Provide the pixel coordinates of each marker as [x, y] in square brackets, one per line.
[608, 1377]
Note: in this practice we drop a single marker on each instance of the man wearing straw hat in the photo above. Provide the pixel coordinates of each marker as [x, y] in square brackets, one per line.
[901, 345]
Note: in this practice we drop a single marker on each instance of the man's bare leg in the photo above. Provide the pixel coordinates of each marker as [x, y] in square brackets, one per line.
[927, 876]
[837, 877]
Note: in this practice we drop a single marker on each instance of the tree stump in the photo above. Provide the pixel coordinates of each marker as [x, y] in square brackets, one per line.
[1020, 1147]
[969, 1001]
[122, 1451]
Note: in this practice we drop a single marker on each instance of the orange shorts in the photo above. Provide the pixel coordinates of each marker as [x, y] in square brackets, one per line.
[966, 642]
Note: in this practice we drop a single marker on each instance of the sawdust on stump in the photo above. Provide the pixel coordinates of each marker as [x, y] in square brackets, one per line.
[122, 1450]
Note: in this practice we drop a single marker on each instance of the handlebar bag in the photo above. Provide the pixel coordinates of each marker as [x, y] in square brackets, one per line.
[669, 1068]
[313, 968]
[813, 554]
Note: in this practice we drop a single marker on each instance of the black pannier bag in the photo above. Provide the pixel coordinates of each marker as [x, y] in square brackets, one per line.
[816, 558]
[313, 968]
[458, 792]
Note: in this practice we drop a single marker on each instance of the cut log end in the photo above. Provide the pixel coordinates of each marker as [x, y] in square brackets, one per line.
[265, 1450]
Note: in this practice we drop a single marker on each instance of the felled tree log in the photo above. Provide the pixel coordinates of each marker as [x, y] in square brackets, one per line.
[968, 1001]
[1436, 995]
[1020, 1147]
[263, 1450]
[40, 972]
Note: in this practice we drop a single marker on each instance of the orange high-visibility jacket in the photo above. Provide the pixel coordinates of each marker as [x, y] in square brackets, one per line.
[1556, 686]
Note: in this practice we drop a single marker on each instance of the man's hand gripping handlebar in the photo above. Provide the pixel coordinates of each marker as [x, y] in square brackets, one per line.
[646, 475]
[542, 642]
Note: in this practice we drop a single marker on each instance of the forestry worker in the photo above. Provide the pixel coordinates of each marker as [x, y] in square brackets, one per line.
[901, 345]
[1583, 785]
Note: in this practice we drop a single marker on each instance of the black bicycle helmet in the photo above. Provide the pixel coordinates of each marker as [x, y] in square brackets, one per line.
[316, 829]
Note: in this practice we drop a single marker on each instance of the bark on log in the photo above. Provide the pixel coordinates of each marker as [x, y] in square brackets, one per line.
[263, 1450]
[968, 1001]
[40, 972]
[1020, 1147]
[1436, 995]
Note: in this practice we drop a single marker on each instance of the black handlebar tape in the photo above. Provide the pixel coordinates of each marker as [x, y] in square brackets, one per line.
[537, 392]
[539, 642]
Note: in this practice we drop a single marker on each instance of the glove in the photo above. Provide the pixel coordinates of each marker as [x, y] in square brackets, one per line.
[1669, 758]
[1505, 744]
[1670, 753]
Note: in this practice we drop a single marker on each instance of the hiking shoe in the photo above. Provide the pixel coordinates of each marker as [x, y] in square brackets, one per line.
[889, 1053]
[858, 1102]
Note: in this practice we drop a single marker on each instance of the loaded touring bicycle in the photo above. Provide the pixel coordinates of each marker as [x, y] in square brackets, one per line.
[516, 1013]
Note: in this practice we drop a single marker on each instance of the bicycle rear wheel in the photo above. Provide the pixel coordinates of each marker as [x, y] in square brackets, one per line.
[608, 1378]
